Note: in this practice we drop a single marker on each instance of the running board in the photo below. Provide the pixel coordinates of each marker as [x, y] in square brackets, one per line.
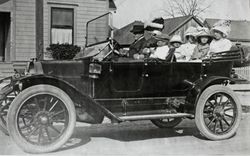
[154, 116]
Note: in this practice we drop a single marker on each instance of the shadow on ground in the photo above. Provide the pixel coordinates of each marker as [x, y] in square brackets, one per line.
[125, 132]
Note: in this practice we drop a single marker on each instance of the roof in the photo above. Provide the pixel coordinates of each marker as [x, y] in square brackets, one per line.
[112, 5]
[240, 29]
[171, 25]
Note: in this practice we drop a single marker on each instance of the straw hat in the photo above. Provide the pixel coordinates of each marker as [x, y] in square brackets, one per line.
[191, 31]
[203, 31]
[223, 26]
[162, 37]
[155, 24]
[176, 38]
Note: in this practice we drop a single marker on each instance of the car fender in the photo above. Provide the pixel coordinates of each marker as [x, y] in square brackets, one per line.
[200, 85]
[95, 111]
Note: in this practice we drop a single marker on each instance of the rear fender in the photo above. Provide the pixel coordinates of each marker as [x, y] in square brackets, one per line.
[92, 111]
[200, 85]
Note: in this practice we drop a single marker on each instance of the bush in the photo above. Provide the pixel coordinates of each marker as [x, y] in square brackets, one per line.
[63, 51]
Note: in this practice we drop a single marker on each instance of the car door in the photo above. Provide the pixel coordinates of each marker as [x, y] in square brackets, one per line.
[127, 77]
[157, 78]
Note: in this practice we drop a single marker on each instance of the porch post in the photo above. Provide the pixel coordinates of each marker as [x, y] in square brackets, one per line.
[39, 29]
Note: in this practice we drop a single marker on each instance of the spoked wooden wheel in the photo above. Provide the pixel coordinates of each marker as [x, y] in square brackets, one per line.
[4, 107]
[167, 123]
[41, 119]
[218, 113]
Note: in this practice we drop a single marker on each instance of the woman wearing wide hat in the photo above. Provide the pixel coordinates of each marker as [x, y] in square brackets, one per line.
[187, 49]
[203, 38]
[220, 31]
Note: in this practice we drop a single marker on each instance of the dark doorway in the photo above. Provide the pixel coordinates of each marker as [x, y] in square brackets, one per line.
[4, 36]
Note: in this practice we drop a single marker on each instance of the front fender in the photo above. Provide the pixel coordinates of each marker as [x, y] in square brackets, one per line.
[95, 112]
[200, 85]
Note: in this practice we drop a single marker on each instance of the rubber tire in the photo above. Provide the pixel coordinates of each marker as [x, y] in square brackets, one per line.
[170, 124]
[199, 112]
[3, 128]
[14, 110]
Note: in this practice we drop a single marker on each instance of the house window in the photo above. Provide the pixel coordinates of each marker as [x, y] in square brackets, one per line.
[62, 24]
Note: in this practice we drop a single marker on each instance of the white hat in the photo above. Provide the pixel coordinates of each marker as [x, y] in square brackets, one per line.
[191, 31]
[203, 31]
[176, 38]
[222, 26]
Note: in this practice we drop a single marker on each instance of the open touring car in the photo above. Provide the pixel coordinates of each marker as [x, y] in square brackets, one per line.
[41, 108]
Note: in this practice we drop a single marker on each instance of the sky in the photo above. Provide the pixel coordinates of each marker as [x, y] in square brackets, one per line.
[131, 10]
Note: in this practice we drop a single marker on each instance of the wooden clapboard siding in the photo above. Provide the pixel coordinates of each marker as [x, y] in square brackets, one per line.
[25, 35]
[84, 10]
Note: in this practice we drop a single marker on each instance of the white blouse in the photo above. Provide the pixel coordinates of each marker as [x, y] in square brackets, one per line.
[220, 45]
[160, 52]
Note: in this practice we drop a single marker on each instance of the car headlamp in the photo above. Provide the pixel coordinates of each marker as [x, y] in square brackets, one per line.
[94, 70]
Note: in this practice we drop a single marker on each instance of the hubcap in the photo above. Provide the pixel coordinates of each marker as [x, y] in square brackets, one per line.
[219, 111]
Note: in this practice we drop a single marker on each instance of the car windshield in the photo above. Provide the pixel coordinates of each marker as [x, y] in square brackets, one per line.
[97, 30]
[99, 51]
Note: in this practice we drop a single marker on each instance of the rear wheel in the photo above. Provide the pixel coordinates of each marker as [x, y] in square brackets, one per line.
[41, 119]
[218, 113]
[167, 123]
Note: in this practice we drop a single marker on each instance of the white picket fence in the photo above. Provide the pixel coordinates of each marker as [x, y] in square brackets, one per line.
[243, 72]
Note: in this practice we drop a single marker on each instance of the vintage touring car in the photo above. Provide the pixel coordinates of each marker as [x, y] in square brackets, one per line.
[41, 107]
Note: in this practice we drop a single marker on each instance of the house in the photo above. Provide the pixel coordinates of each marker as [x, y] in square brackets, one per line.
[28, 27]
[177, 25]
[240, 30]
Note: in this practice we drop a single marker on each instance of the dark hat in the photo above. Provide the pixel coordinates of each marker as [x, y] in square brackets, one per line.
[137, 29]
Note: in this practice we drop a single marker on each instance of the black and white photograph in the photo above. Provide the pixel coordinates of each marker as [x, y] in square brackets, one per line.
[125, 77]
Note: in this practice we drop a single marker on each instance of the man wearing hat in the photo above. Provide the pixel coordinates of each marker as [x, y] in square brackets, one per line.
[148, 39]
[138, 31]
[220, 31]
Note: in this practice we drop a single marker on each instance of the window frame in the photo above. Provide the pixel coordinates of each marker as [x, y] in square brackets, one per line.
[73, 22]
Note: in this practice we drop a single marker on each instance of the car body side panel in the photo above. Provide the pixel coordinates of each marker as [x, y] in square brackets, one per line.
[74, 72]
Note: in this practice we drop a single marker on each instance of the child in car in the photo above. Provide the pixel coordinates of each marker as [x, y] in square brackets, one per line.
[174, 43]
[220, 31]
[186, 50]
[162, 48]
[203, 40]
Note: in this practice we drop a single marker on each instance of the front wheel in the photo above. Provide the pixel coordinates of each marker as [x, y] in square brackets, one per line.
[4, 107]
[41, 119]
[167, 123]
[218, 113]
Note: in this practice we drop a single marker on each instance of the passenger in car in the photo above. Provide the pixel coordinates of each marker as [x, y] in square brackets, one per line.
[139, 40]
[187, 49]
[151, 29]
[174, 43]
[161, 51]
[220, 31]
[204, 39]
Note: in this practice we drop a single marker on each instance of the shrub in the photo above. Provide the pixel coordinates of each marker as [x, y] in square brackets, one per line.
[63, 51]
